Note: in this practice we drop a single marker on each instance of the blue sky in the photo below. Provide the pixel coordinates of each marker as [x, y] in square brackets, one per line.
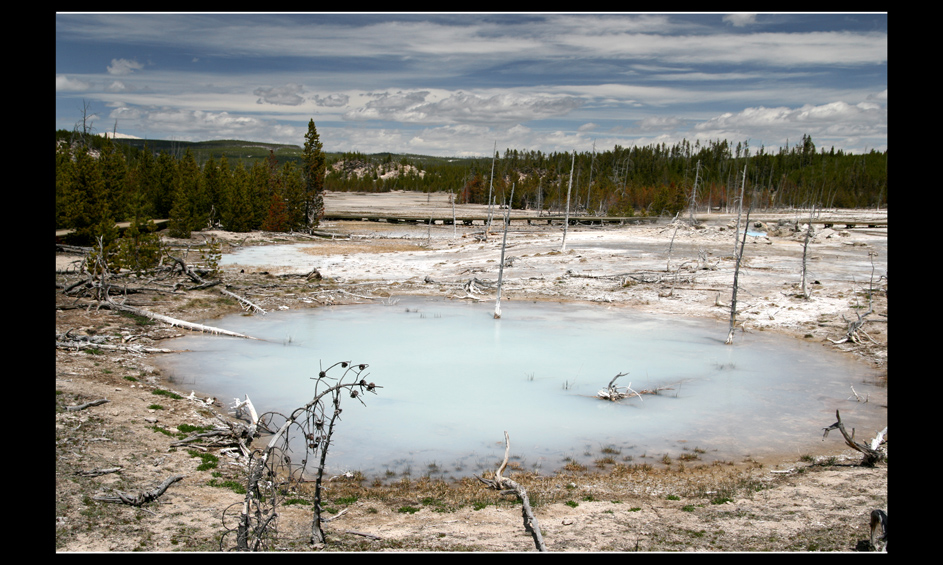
[457, 84]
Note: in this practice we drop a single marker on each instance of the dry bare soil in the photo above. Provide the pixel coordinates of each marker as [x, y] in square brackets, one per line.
[816, 501]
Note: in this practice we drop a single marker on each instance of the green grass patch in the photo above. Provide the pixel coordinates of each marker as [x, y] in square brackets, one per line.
[209, 461]
[232, 485]
[167, 393]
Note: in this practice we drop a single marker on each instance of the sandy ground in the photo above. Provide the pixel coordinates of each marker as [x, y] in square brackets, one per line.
[799, 502]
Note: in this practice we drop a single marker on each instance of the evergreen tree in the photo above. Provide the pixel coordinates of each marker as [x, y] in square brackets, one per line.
[313, 176]
[162, 195]
[114, 171]
[238, 213]
[86, 205]
[293, 194]
[65, 176]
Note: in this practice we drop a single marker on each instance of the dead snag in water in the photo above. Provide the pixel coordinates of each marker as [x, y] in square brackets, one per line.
[613, 393]
[508, 486]
[872, 453]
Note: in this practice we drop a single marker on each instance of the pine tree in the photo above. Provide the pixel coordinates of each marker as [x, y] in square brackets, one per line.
[86, 205]
[65, 176]
[238, 215]
[313, 175]
[293, 193]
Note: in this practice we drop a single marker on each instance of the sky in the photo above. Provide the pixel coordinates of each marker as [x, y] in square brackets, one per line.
[461, 84]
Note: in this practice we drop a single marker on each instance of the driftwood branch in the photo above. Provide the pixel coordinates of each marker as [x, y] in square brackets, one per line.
[87, 404]
[142, 498]
[98, 472]
[245, 301]
[613, 393]
[871, 452]
[508, 486]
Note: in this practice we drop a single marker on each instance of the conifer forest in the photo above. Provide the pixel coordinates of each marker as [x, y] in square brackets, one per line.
[100, 181]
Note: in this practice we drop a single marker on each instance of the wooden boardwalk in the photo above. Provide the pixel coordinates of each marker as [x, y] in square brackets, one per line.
[533, 220]
[481, 220]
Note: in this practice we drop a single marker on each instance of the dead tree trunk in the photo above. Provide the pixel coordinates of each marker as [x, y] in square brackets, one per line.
[504, 242]
[693, 203]
[805, 254]
[566, 222]
[736, 282]
[507, 486]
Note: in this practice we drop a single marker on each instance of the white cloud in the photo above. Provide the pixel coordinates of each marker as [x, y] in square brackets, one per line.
[332, 100]
[653, 123]
[740, 20]
[66, 84]
[825, 123]
[286, 95]
[461, 107]
[123, 67]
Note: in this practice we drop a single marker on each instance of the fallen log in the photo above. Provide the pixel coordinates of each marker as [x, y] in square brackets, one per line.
[173, 321]
[142, 498]
[98, 472]
[245, 302]
[78, 407]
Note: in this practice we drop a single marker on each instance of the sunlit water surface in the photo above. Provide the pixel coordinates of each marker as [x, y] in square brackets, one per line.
[454, 379]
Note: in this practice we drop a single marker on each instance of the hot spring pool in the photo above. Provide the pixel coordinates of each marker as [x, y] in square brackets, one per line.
[454, 379]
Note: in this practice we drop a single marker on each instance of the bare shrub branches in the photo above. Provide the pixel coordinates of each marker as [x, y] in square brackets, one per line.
[272, 469]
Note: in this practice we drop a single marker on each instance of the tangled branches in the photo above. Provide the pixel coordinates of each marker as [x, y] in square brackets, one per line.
[308, 431]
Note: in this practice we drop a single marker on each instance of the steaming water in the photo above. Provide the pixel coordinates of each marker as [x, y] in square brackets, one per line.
[454, 379]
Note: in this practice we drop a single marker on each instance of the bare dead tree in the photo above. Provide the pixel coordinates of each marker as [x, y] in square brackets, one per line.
[855, 326]
[504, 242]
[872, 452]
[494, 156]
[736, 277]
[272, 468]
[693, 203]
[508, 486]
[566, 222]
[805, 254]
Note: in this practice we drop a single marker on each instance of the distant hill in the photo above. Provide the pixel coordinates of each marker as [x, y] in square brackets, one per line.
[233, 149]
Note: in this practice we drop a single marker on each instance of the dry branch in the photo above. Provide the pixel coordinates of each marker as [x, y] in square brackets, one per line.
[508, 486]
[142, 498]
[87, 404]
[872, 455]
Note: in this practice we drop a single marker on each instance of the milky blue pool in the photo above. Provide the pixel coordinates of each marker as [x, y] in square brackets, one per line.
[454, 379]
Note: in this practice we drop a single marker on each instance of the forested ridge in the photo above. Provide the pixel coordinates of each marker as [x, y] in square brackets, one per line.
[242, 186]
